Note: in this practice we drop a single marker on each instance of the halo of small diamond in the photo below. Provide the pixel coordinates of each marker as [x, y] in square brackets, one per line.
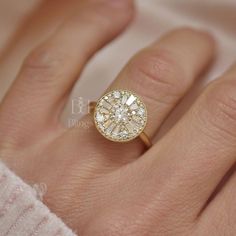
[120, 115]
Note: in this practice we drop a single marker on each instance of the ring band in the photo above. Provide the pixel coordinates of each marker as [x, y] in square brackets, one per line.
[120, 116]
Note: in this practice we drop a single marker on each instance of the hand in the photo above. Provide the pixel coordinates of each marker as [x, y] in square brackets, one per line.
[103, 188]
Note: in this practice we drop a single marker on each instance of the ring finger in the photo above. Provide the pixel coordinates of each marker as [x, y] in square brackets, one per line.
[160, 74]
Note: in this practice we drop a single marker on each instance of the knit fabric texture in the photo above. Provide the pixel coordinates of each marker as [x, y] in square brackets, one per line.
[22, 213]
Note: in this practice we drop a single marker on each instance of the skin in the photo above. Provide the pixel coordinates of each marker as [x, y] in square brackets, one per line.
[103, 188]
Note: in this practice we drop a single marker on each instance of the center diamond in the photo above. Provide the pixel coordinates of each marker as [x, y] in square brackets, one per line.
[121, 114]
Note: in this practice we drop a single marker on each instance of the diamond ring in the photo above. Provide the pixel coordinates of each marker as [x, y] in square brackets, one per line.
[121, 116]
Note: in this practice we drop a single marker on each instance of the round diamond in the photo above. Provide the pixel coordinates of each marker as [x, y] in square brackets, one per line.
[120, 115]
[141, 111]
[116, 94]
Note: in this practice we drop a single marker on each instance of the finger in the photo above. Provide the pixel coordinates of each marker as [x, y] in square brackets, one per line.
[35, 28]
[220, 214]
[49, 73]
[200, 149]
[160, 74]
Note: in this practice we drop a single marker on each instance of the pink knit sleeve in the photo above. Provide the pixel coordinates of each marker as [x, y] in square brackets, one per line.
[21, 213]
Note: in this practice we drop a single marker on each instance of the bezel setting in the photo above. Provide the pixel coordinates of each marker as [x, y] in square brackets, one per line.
[120, 115]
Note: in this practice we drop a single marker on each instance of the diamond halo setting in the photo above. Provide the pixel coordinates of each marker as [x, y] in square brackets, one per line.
[120, 115]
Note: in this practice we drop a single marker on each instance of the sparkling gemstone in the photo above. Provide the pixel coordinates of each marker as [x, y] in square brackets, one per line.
[116, 94]
[110, 128]
[131, 99]
[106, 105]
[134, 106]
[124, 134]
[141, 111]
[104, 110]
[120, 115]
[124, 99]
[100, 117]
[116, 131]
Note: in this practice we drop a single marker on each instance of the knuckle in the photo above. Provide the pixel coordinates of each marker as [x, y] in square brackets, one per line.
[222, 97]
[158, 70]
[221, 102]
[44, 64]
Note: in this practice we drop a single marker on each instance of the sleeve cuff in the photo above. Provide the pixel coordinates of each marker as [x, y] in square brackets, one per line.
[21, 213]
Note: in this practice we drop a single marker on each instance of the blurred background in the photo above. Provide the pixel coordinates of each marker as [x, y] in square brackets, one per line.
[24, 24]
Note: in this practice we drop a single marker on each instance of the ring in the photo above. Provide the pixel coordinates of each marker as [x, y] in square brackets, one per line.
[121, 116]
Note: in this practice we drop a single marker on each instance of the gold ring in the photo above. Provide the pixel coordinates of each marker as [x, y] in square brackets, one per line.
[121, 116]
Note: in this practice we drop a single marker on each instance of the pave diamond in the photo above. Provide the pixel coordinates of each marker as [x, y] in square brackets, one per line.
[116, 94]
[120, 115]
